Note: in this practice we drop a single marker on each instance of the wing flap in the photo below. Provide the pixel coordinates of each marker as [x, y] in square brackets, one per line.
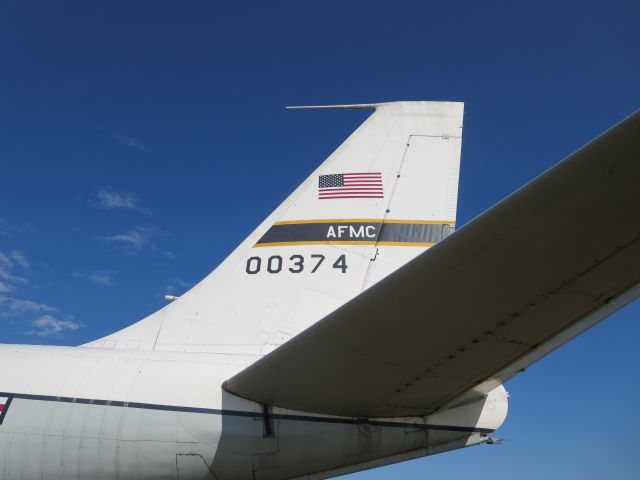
[552, 258]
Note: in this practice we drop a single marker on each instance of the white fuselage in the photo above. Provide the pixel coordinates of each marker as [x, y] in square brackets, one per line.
[103, 413]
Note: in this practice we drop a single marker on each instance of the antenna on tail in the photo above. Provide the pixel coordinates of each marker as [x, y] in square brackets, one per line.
[355, 106]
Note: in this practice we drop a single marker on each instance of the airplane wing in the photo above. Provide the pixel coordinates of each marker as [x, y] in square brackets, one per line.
[549, 261]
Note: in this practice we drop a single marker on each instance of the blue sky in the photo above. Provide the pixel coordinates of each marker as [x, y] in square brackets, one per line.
[141, 141]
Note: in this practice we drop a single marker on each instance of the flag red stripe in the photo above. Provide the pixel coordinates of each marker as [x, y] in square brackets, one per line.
[350, 196]
[358, 182]
[346, 190]
[363, 173]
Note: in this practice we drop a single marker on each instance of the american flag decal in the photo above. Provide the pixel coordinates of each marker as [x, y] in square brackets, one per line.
[350, 185]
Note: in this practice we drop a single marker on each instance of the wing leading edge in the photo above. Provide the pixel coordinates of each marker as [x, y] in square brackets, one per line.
[527, 275]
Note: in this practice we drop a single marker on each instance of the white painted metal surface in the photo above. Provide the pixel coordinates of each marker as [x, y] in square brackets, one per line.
[110, 413]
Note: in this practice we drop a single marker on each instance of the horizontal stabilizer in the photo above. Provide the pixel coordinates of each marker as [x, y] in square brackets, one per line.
[536, 269]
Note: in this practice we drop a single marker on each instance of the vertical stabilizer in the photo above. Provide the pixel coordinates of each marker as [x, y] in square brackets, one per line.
[385, 195]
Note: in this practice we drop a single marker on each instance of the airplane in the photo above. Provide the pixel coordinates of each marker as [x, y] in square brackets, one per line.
[354, 327]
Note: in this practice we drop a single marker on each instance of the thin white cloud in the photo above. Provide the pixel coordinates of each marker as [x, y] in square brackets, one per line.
[132, 241]
[9, 279]
[109, 199]
[15, 257]
[132, 142]
[44, 325]
[24, 310]
[19, 258]
[101, 278]
[8, 262]
[184, 284]
[5, 261]
[49, 326]
[10, 306]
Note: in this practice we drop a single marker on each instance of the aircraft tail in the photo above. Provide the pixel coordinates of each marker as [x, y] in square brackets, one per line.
[384, 196]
